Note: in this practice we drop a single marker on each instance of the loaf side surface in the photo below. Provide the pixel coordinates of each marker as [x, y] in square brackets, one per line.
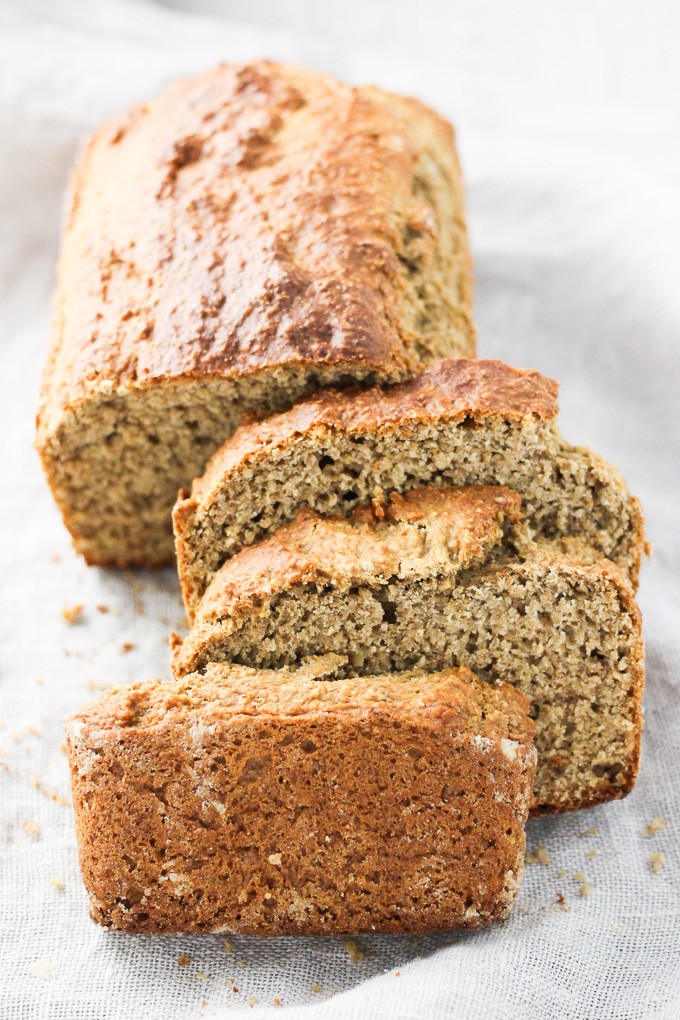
[282, 802]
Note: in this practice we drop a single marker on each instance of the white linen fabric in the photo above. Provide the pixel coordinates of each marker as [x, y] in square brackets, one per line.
[568, 128]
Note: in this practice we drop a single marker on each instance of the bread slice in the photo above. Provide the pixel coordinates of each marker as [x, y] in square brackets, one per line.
[272, 803]
[249, 235]
[444, 577]
[461, 422]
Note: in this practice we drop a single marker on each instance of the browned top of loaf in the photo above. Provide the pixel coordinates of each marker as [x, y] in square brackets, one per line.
[455, 699]
[243, 219]
[423, 533]
[451, 389]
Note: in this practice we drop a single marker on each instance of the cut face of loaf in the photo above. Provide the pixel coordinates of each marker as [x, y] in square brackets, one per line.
[246, 237]
[281, 803]
[445, 577]
[461, 422]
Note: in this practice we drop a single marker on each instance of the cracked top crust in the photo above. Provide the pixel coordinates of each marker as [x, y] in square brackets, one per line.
[253, 217]
[455, 699]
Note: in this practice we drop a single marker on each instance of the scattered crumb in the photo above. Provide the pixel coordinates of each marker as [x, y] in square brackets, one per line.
[55, 558]
[561, 902]
[30, 827]
[57, 884]
[41, 969]
[316, 988]
[228, 946]
[58, 798]
[592, 831]
[33, 731]
[40, 682]
[183, 960]
[97, 685]
[657, 862]
[561, 873]
[72, 613]
[126, 647]
[277, 1002]
[585, 889]
[234, 989]
[538, 856]
[274, 859]
[656, 825]
[102, 609]
[252, 999]
[397, 973]
[201, 975]
[579, 876]
[592, 853]
[354, 950]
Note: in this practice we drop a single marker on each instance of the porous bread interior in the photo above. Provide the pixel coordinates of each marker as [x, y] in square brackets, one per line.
[115, 462]
[563, 636]
[566, 490]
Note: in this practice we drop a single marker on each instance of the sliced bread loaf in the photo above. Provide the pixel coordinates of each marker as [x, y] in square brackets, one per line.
[249, 235]
[270, 803]
[444, 577]
[461, 422]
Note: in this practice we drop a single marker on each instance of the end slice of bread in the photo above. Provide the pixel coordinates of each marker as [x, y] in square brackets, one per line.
[281, 802]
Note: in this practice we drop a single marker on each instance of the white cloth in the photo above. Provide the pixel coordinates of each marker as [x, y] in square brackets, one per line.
[568, 128]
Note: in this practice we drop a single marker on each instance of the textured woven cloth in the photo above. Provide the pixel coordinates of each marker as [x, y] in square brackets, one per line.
[568, 129]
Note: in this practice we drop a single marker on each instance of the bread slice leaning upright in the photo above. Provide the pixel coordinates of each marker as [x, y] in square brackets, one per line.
[247, 236]
[461, 422]
[440, 578]
[271, 803]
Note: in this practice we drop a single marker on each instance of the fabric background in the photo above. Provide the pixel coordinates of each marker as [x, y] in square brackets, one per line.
[568, 126]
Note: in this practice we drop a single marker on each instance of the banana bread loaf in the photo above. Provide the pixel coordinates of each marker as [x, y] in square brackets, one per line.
[244, 238]
[461, 422]
[270, 803]
[444, 577]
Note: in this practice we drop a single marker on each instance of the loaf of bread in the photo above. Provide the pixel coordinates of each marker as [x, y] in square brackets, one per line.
[244, 238]
[461, 422]
[444, 577]
[287, 802]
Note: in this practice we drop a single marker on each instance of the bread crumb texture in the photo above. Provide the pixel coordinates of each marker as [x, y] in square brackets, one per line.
[461, 422]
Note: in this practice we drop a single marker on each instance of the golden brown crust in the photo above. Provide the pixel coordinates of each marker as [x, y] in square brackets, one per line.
[274, 802]
[448, 390]
[248, 219]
